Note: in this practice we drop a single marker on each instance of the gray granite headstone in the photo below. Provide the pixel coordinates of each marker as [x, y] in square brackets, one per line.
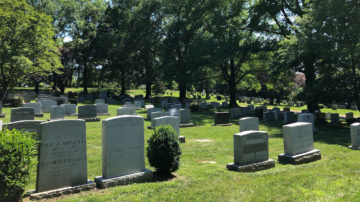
[123, 146]
[36, 106]
[125, 111]
[137, 104]
[32, 126]
[22, 113]
[99, 101]
[102, 109]
[185, 116]
[250, 147]
[62, 155]
[222, 118]
[335, 118]
[298, 138]
[307, 117]
[173, 112]
[249, 123]
[87, 111]
[268, 117]
[70, 109]
[47, 104]
[167, 120]
[151, 110]
[57, 112]
[355, 136]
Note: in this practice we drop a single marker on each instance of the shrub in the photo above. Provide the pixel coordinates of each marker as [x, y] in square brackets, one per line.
[164, 149]
[194, 107]
[17, 151]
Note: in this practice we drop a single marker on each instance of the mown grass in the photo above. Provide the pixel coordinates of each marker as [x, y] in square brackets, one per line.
[202, 175]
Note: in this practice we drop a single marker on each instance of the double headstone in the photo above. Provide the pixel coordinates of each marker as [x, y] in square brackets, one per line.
[62, 167]
[88, 113]
[125, 111]
[57, 112]
[22, 113]
[222, 119]
[123, 159]
[299, 144]
[251, 152]
[249, 123]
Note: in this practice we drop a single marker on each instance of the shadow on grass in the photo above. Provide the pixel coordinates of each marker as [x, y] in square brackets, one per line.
[162, 177]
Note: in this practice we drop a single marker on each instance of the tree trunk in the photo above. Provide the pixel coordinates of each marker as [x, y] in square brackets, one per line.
[232, 85]
[148, 81]
[78, 77]
[123, 83]
[310, 95]
[54, 81]
[36, 84]
[182, 89]
[85, 79]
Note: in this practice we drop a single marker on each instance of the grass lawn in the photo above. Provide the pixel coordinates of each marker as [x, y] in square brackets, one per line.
[202, 175]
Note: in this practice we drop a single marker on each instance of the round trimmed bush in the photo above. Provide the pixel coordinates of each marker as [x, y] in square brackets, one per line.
[17, 152]
[164, 149]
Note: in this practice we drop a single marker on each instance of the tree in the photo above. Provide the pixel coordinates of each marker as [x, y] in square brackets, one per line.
[26, 44]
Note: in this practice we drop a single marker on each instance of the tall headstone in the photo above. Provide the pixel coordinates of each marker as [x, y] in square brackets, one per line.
[137, 104]
[249, 123]
[32, 126]
[57, 112]
[70, 109]
[88, 113]
[22, 113]
[125, 111]
[62, 167]
[251, 152]
[222, 119]
[2, 115]
[355, 136]
[169, 120]
[307, 117]
[123, 159]
[299, 144]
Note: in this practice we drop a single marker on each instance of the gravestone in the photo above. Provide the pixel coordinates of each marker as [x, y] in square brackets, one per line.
[137, 104]
[289, 117]
[335, 118]
[355, 136]
[103, 95]
[70, 109]
[349, 116]
[123, 159]
[99, 101]
[222, 119]
[149, 107]
[22, 113]
[298, 144]
[88, 113]
[235, 113]
[215, 105]
[32, 126]
[57, 112]
[159, 114]
[249, 123]
[62, 167]
[125, 111]
[151, 110]
[102, 109]
[36, 107]
[175, 106]
[307, 117]
[47, 104]
[2, 115]
[185, 118]
[268, 117]
[276, 112]
[168, 120]
[1, 125]
[251, 152]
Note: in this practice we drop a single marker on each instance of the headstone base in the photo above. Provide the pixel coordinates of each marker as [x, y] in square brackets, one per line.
[106, 114]
[39, 115]
[2, 115]
[252, 167]
[307, 157]
[95, 119]
[182, 139]
[227, 124]
[186, 125]
[354, 147]
[144, 176]
[63, 191]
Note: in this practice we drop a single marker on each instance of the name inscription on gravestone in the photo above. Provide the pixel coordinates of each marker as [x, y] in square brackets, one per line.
[250, 147]
[62, 158]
